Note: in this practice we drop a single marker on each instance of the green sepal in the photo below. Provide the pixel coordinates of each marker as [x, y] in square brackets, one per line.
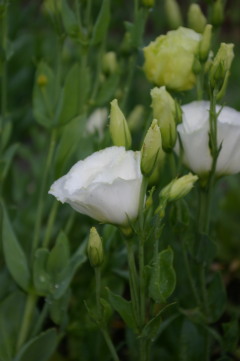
[39, 348]
[15, 257]
[124, 308]
[163, 277]
[101, 24]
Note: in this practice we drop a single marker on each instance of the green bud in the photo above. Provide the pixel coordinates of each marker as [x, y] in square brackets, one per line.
[109, 62]
[152, 145]
[173, 14]
[205, 43]
[135, 118]
[197, 66]
[155, 175]
[95, 248]
[164, 110]
[217, 13]
[196, 19]
[178, 188]
[119, 129]
[221, 65]
[148, 3]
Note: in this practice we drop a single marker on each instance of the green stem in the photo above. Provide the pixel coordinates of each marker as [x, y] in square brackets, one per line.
[98, 291]
[42, 195]
[133, 281]
[141, 282]
[27, 319]
[50, 223]
[131, 70]
[41, 319]
[110, 344]
[3, 33]
[141, 202]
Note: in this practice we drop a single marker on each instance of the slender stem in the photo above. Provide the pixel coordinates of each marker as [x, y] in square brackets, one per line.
[133, 280]
[141, 202]
[37, 328]
[110, 345]
[190, 277]
[3, 33]
[27, 319]
[50, 223]
[141, 281]
[41, 200]
[98, 291]
[131, 70]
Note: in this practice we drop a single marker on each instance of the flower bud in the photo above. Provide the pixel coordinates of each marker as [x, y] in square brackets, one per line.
[196, 19]
[156, 174]
[148, 3]
[217, 13]
[173, 14]
[135, 118]
[119, 130]
[109, 62]
[151, 147]
[221, 65]
[205, 43]
[94, 248]
[42, 80]
[179, 187]
[164, 110]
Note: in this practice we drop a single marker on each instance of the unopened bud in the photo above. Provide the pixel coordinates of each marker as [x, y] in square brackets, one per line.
[109, 62]
[164, 110]
[42, 80]
[173, 14]
[152, 145]
[179, 187]
[205, 43]
[135, 118]
[196, 19]
[148, 3]
[119, 129]
[197, 66]
[221, 65]
[95, 248]
[217, 13]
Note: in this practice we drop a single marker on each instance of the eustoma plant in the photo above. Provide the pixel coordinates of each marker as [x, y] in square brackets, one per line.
[122, 150]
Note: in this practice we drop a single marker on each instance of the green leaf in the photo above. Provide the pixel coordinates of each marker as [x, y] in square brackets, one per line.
[58, 309]
[136, 31]
[231, 335]
[44, 102]
[71, 95]
[69, 141]
[124, 308]
[70, 22]
[191, 340]
[7, 131]
[39, 348]
[65, 277]
[107, 90]
[101, 24]
[7, 160]
[153, 327]
[106, 310]
[11, 311]
[59, 256]
[42, 280]
[14, 255]
[163, 277]
[216, 297]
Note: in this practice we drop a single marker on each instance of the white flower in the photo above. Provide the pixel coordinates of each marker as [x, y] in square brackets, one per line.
[105, 186]
[96, 122]
[195, 138]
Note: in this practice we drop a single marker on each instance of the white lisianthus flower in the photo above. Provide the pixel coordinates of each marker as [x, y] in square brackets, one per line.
[96, 122]
[194, 133]
[105, 186]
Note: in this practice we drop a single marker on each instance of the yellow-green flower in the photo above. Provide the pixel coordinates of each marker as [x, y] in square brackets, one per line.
[169, 59]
